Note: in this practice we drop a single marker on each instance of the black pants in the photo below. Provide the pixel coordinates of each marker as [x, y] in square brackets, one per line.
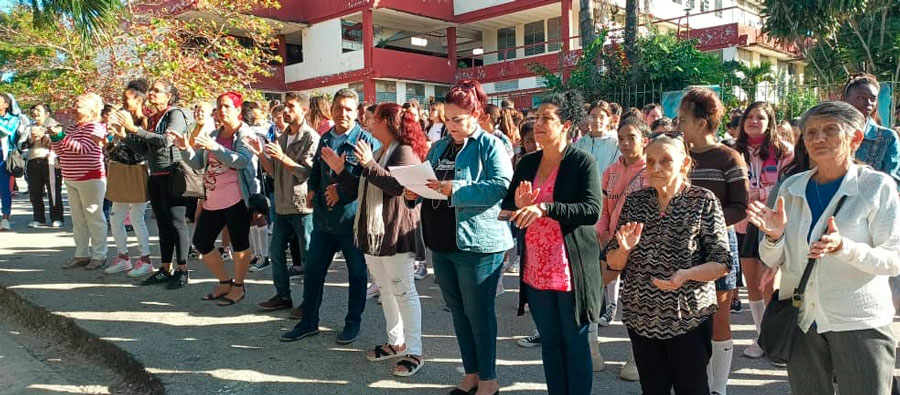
[37, 171]
[679, 362]
[211, 222]
[174, 236]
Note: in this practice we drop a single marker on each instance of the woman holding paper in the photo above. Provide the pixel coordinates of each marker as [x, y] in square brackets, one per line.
[385, 231]
[473, 171]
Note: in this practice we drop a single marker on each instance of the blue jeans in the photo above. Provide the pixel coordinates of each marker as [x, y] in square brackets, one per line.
[468, 282]
[564, 344]
[325, 245]
[5, 192]
[284, 229]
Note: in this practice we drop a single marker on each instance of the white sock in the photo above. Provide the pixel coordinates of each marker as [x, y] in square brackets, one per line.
[262, 240]
[612, 292]
[719, 366]
[757, 308]
[594, 342]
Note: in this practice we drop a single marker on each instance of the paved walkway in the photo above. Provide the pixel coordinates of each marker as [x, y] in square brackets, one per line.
[195, 347]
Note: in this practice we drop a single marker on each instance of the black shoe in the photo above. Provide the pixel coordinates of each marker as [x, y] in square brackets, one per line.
[129, 228]
[295, 270]
[179, 279]
[349, 335]
[736, 305]
[161, 276]
[297, 333]
[276, 303]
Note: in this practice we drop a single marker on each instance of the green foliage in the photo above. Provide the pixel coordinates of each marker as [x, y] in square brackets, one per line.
[665, 62]
[89, 17]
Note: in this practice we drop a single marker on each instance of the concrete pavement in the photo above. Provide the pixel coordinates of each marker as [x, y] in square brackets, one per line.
[195, 347]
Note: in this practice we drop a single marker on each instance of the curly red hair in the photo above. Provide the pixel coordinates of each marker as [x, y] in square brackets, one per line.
[468, 95]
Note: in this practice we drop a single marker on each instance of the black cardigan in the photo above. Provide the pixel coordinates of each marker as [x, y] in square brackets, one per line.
[576, 206]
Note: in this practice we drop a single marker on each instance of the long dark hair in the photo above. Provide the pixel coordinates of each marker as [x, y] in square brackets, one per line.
[403, 126]
[799, 164]
[743, 145]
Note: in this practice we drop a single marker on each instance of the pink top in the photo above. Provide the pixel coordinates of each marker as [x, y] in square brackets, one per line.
[222, 188]
[618, 181]
[324, 126]
[547, 265]
[763, 177]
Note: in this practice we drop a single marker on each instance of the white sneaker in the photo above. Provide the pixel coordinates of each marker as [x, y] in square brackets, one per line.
[372, 291]
[420, 270]
[270, 230]
[531, 341]
[56, 224]
[629, 371]
[119, 266]
[4, 224]
[141, 269]
[34, 224]
[500, 289]
[754, 351]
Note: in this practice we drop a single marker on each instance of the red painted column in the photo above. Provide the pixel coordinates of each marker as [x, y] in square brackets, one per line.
[368, 27]
[451, 47]
[369, 90]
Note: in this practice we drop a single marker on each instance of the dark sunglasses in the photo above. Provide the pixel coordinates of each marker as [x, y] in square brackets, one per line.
[671, 135]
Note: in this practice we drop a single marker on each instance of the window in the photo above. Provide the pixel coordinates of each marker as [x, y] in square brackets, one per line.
[415, 91]
[360, 90]
[506, 43]
[534, 38]
[719, 8]
[704, 5]
[503, 86]
[351, 36]
[440, 92]
[676, 1]
[554, 34]
[294, 54]
[385, 92]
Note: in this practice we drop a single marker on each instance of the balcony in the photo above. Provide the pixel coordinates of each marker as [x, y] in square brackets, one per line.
[503, 65]
[412, 66]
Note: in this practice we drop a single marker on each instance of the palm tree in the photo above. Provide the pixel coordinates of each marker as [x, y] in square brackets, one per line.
[586, 24]
[631, 31]
[88, 16]
[753, 76]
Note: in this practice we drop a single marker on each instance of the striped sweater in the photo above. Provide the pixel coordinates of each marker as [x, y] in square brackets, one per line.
[80, 155]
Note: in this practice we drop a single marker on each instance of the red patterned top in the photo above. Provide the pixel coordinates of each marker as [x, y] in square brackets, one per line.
[547, 266]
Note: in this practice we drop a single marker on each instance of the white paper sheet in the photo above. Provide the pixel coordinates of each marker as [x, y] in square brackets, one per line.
[414, 177]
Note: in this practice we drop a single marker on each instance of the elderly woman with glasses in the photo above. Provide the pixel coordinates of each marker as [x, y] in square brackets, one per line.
[672, 243]
[846, 312]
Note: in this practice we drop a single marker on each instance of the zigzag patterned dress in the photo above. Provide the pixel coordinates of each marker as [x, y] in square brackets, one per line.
[690, 233]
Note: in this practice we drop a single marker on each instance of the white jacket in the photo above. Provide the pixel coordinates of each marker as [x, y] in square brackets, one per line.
[847, 290]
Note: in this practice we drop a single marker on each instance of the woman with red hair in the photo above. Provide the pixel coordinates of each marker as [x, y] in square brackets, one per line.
[385, 231]
[468, 242]
[228, 177]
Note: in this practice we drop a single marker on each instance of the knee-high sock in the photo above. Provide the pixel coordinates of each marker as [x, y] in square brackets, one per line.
[757, 309]
[262, 240]
[719, 366]
[612, 292]
[254, 241]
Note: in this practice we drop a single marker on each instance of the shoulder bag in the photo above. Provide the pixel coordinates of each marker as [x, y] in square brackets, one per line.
[779, 323]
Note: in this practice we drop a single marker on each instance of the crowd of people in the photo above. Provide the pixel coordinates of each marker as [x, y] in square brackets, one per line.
[603, 211]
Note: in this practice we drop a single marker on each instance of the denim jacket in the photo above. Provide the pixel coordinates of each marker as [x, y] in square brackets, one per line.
[339, 218]
[239, 159]
[880, 149]
[483, 173]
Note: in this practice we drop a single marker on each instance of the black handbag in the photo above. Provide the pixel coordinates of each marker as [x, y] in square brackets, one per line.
[15, 164]
[779, 322]
[186, 182]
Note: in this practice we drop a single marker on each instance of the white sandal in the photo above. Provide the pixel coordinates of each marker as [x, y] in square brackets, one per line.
[411, 363]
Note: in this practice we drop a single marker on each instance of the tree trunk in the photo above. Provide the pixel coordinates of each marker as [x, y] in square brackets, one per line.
[631, 31]
[586, 24]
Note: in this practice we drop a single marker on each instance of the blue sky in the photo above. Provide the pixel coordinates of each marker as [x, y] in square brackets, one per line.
[5, 4]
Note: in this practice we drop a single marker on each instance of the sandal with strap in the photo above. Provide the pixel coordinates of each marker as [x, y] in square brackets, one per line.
[411, 363]
[457, 391]
[211, 296]
[228, 302]
[382, 354]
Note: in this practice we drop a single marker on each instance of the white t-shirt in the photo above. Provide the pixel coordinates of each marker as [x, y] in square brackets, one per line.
[434, 134]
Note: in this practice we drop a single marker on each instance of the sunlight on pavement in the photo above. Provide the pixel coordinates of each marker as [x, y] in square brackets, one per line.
[251, 376]
[71, 389]
[500, 362]
[20, 270]
[401, 385]
[175, 318]
[70, 286]
[118, 339]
